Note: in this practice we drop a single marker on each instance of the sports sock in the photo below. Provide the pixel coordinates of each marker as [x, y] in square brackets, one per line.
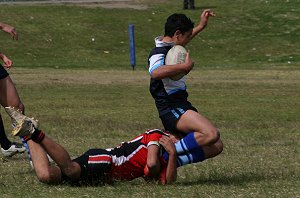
[188, 151]
[194, 156]
[24, 141]
[4, 141]
[37, 136]
[25, 138]
[186, 144]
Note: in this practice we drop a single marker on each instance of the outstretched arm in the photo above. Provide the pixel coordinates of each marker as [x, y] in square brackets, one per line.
[10, 30]
[203, 22]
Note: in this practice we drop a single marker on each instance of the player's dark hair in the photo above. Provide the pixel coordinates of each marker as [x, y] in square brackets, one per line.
[178, 22]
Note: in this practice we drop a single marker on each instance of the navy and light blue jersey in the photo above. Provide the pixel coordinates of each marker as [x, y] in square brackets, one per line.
[166, 92]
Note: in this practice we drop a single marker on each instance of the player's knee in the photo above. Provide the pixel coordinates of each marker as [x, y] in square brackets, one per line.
[213, 150]
[219, 146]
[153, 167]
[44, 177]
[212, 135]
[67, 171]
[72, 171]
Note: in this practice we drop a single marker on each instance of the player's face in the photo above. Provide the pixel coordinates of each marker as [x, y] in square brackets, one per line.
[183, 39]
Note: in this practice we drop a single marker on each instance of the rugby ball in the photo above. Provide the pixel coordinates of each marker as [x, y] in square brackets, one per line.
[176, 55]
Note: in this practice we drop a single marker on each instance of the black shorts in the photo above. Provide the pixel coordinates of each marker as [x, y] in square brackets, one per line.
[3, 72]
[95, 167]
[171, 118]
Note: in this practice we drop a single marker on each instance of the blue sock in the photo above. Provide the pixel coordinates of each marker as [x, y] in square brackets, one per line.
[27, 148]
[194, 156]
[186, 144]
[188, 151]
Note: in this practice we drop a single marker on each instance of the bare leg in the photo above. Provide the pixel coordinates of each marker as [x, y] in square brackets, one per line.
[9, 95]
[185, 4]
[213, 150]
[44, 172]
[192, 4]
[40, 145]
[59, 155]
[191, 121]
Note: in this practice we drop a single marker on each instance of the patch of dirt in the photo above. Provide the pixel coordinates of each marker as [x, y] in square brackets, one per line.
[115, 4]
[133, 4]
[78, 77]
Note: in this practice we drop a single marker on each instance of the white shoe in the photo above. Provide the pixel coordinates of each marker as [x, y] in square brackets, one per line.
[13, 149]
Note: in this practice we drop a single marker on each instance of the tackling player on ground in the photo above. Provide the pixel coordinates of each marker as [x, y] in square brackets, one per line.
[140, 157]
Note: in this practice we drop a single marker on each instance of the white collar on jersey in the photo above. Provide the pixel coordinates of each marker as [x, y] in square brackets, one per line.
[160, 43]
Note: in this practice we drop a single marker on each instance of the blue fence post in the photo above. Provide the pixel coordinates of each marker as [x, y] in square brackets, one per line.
[132, 45]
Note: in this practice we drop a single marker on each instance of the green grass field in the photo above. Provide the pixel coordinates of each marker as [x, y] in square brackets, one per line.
[256, 34]
[246, 80]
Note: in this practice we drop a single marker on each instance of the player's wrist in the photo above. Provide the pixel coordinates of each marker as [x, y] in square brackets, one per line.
[202, 25]
[183, 67]
[172, 152]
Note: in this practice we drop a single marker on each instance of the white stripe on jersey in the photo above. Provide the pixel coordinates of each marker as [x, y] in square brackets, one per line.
[172, 86]
[99, 159]
[153, 143]
[156, 61]
[99, 162]
[136, 139]
[153, 130]
[118, 161]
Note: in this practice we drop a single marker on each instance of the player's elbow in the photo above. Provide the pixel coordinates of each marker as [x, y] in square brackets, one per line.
[44, 177]
[155, 75]
[48, 174]
[153, 167]
[159, 73]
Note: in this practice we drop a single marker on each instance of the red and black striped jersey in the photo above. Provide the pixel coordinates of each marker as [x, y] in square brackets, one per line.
[130, 158]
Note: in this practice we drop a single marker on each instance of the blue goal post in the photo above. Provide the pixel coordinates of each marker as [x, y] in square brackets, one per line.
[132, 45]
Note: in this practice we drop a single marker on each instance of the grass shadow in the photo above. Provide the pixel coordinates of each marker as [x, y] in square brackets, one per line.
[236, 180]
